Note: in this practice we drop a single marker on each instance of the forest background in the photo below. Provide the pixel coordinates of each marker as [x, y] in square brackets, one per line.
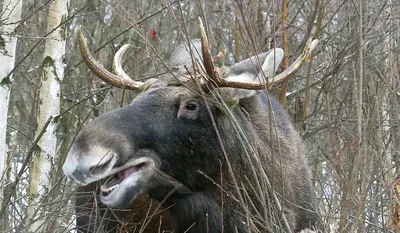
[344, 101]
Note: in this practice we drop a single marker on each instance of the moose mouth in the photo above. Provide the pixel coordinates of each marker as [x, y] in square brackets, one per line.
[125, 176]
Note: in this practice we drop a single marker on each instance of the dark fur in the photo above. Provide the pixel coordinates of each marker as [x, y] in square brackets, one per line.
[186, 147]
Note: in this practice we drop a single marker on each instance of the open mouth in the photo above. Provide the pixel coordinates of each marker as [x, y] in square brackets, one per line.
[114, 181]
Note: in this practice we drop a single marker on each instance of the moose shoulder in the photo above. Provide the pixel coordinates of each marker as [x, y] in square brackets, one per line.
[215, 158]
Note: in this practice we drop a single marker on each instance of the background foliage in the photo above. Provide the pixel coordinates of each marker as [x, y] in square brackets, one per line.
[344, 101]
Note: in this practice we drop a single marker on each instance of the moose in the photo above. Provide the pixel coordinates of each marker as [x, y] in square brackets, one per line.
[199, 149]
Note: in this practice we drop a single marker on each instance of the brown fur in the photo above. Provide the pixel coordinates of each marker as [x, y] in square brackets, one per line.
[93, 216]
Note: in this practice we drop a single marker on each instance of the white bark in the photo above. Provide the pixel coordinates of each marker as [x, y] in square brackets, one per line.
[10, 16]
[49, 105]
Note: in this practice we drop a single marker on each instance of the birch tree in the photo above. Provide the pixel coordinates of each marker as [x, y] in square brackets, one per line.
[49, 105]
[9, 20]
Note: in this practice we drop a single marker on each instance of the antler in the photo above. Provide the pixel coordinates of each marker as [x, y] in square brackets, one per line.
[120, 79]
[221, 82]
[207, 60]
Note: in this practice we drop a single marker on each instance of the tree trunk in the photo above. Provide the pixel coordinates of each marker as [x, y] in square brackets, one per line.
[49, 105]
[10, 15]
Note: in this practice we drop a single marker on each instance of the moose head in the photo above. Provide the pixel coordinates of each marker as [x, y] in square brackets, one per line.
[200, 140]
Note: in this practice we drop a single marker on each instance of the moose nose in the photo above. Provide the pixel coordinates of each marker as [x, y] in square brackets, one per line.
[84, 167]
[77, 175]
[73, 171]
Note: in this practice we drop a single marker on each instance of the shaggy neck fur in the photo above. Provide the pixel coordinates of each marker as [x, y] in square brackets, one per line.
[201, 213]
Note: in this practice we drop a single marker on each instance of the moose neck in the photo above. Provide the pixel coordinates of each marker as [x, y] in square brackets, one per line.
[201, 212]
[197, 212]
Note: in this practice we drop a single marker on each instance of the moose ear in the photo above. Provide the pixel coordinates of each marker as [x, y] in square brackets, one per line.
[181, 55]
[251, 69]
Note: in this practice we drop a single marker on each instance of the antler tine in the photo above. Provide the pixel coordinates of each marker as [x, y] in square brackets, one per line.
[117, 64]
[288, 72]
[207, 60]
[121, 80]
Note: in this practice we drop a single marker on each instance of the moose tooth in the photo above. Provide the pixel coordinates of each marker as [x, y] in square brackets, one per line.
[110, 189]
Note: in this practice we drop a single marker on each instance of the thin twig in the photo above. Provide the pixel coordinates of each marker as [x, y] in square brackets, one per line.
[23, 167]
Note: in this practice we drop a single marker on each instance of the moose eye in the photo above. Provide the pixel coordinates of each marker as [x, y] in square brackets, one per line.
[191, 106]
[188, 110]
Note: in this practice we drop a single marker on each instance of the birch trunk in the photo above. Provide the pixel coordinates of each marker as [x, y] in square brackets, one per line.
[49, 105]
[10, 15]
